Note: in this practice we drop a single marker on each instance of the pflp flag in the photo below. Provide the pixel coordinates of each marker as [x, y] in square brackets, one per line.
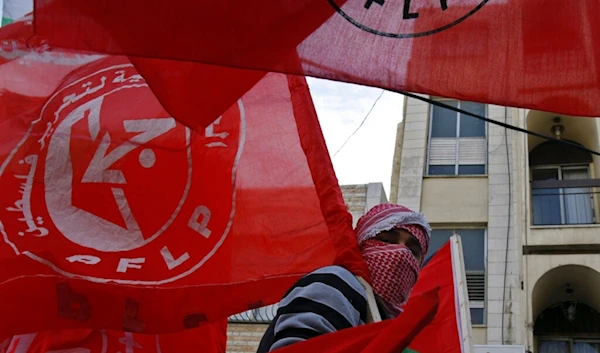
[515, 53]
[436, 318]
[116, 215]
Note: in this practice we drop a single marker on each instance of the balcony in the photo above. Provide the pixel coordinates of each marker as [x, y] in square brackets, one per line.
[562, 202]
[564, 207]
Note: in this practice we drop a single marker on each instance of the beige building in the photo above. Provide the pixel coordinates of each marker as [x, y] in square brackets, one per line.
[246, 329]
[527, 213]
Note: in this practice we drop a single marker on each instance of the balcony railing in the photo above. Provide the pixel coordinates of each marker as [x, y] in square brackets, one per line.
[563, 202]
[262, 315]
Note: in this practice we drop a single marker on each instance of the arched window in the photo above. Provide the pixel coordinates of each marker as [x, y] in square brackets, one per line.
[568, 327]
[568, 204]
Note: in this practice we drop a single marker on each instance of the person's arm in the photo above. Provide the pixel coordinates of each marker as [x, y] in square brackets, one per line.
[324, 301]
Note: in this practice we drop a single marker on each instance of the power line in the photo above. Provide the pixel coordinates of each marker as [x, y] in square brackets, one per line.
[508, 225]
[503, 135]
[499, 123]
[361, 124]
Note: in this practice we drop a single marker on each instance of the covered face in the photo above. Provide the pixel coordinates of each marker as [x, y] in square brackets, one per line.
[394, 241]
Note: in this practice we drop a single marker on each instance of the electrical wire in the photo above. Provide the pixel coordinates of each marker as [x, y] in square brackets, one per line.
[361, 124]
[503, 138]
[508, 225]
[505, 125]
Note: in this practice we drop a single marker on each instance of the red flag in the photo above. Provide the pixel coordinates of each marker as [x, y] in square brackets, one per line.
[389, 336]
[443, 334]
[515, 53]
[123, 218]
[429, 323]
[203, 91]
[210, 338]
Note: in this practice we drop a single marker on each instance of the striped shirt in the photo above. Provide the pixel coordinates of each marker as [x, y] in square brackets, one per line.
[326, 300]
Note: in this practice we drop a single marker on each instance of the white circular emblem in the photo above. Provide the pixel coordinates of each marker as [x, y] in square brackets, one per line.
[107, 186]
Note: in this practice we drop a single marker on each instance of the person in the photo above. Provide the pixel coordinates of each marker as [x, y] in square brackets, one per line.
[393, 241]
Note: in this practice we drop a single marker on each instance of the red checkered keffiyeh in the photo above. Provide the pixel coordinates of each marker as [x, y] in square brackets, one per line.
[393, 268]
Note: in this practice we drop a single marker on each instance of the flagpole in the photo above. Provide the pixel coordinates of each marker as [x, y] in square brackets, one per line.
[463, 314]
[373, 312]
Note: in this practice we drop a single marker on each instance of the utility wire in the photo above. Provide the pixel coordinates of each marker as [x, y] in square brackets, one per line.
[505, 125]
[503, 135]
[509, 218]
[361, 124]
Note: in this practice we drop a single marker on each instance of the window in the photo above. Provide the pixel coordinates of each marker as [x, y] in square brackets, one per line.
[474, 250]
[564, 205]
[457, 142]
[568, 346]
[569, 326]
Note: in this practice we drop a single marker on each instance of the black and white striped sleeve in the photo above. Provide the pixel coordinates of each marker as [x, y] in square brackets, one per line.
[326, 300]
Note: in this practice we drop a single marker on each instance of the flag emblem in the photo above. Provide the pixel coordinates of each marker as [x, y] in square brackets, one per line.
[106, 171]
[407, 18]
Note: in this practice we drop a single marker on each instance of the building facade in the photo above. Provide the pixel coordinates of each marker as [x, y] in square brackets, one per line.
[527, 212]
[245, 330]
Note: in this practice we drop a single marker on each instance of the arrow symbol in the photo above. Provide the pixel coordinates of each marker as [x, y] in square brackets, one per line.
[98, 170]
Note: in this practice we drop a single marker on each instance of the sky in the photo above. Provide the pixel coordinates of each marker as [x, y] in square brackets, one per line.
[368, 155]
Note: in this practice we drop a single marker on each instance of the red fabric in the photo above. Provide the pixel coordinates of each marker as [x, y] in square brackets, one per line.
[203, 91]
[427, 325]
[123, 218]
[390, 336]
[442, 333]
[393, 269]
[515, 53]
[210, 338]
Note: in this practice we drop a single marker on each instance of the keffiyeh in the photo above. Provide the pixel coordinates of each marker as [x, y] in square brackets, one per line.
[393, 267]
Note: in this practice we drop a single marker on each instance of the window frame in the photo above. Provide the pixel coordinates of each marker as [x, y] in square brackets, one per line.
[562, 338]
[559, 168]
[476, 304]
[457, 138]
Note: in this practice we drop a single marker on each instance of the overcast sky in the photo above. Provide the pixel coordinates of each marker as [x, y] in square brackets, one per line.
[341, 107]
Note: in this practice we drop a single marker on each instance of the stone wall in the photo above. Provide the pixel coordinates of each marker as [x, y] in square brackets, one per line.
[355, 197]
[503, 306]
[360, 198]
[244, 338]
[413, 155]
